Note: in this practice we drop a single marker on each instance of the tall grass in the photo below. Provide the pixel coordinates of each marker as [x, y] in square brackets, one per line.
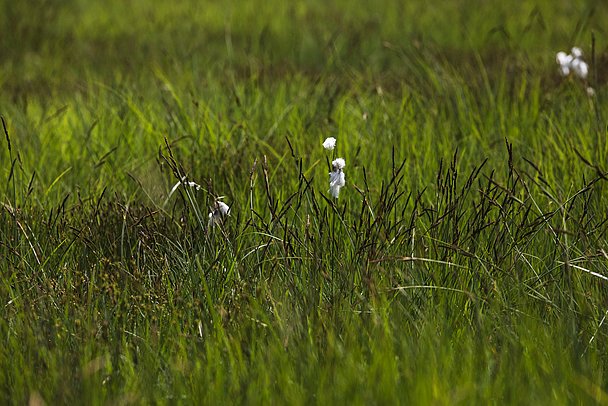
[464, 262]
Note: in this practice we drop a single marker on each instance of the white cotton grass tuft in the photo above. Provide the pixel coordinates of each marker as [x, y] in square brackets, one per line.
[572, 63]
[580, 68]
[218, 212]
[183, 182]
[576, 53]
[563, 60]
[337, 179]
[338, 164]
[329, 143]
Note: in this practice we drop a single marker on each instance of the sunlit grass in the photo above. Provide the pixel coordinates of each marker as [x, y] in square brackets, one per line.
[464, 261]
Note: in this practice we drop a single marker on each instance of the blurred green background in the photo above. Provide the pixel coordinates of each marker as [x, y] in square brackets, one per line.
[115, 293]
[57, 46]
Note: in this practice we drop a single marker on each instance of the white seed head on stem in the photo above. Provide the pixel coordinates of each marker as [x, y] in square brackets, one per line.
[572, 63]
[218, 213]
[338, 164]
[564, 61]
[329, 143]
[337, 179]
[580, 68]
[563, 58]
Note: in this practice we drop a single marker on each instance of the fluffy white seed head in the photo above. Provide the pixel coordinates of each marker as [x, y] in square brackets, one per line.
[562, 58]
[329, 143]
[337, 178]
[564, 61]
[572, 63]
[580, 68]
[218, 212]
[338, 164]
[577, 52]
[222, 208]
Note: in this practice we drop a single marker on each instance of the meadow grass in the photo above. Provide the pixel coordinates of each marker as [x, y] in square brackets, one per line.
[465, 261]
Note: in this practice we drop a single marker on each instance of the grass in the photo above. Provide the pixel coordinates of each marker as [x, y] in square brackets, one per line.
[464, 262]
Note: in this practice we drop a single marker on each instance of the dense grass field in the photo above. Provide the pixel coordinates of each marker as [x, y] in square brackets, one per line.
[464, 262]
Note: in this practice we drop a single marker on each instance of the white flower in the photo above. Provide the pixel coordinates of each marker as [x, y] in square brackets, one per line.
[217, 214]
[563, 61]
[580, 68]
[329, 143]
[590, 91]
[336, 181]
[572, 63]
[336, 177]
[338, 164]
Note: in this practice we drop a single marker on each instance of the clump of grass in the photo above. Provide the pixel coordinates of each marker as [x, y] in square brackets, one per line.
[463, 262]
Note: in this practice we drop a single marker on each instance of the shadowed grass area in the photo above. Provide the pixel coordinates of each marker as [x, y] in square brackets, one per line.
[465, 261]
